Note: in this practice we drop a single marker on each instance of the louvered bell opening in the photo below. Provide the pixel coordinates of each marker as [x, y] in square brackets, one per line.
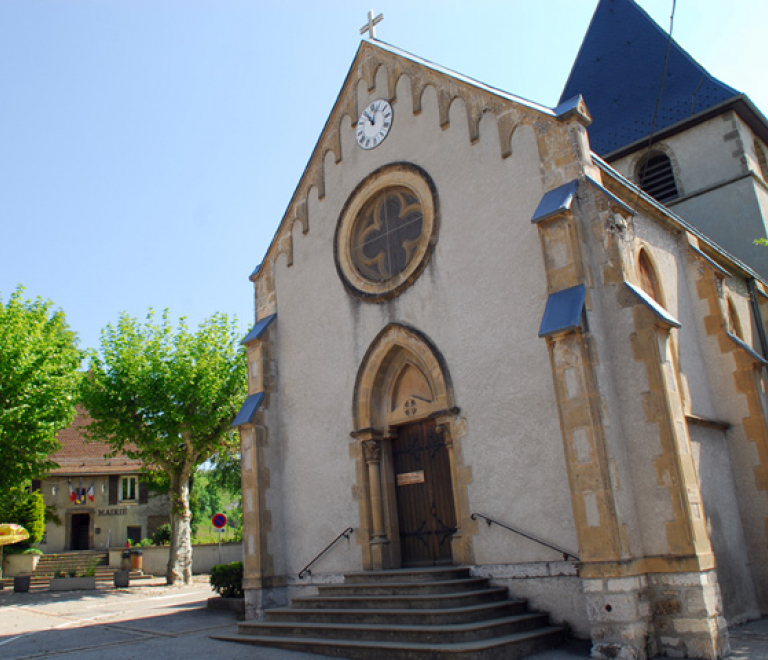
[657, 179]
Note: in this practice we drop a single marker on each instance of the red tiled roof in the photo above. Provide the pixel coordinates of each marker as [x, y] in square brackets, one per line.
[79, 456]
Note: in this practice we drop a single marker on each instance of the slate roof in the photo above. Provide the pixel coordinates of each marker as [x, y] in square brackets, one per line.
[77, 456]
[618, 71]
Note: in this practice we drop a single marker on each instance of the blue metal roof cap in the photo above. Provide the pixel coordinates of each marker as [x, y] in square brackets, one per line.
[618, 72]
[248, 411]
[711, 262]
[555, 201]
[563, 310]
[571, 105]
[258, 329]
[657, 309]
[752, 352]
[611, 196]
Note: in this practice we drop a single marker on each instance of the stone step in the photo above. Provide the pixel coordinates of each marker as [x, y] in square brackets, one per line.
[505, 647]
[85, 555]
[45, 561]
[392, 588]
[440, 616]
[47, 575]
[408, 601]
[433, 614]
[70, 561]
[65, 565]
[435, 574]
[422, 634]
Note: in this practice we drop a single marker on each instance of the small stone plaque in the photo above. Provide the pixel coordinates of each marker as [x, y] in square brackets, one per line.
[409, 478]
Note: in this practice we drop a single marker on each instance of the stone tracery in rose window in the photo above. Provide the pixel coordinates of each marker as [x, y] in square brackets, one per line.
[386, 234]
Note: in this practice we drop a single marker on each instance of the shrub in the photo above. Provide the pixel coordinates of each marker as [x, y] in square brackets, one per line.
[25, 509]
[162, 535]
[145, 543]
[90, 570]
[227, 579]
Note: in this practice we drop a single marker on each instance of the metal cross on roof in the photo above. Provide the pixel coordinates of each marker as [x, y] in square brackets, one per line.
[370, 26]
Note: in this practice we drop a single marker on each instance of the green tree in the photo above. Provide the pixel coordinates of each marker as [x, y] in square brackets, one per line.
[26, 509]
[167, 397]
[225, 473]
[205, 499]
[225, 470]
[39, 363]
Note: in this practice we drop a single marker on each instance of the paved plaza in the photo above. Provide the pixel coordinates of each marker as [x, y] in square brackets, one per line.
[172, 623]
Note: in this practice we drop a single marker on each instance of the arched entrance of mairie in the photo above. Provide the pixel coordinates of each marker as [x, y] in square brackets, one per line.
[406, 426]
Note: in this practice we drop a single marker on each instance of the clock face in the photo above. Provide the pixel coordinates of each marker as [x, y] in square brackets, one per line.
[374, 124]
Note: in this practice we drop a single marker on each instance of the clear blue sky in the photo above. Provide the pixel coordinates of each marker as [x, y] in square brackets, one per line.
[148, 148]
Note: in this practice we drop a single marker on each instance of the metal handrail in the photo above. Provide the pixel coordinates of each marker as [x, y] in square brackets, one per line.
[493, 521]
[346, 534]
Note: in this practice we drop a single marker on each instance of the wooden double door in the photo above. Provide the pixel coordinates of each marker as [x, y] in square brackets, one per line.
[426, 512]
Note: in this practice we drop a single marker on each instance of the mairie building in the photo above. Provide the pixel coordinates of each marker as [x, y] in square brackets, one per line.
[101, 500]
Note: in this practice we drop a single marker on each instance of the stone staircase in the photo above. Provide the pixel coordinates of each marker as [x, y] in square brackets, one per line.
[406, 614]
[71, 561]
[68, 562]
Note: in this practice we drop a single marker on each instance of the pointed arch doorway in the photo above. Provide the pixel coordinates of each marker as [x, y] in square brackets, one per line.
[404, 417]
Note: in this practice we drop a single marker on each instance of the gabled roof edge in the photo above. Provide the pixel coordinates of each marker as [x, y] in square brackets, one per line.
[380, 45]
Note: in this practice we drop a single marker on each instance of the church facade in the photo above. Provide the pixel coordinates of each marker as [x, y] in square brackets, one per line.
[467, 315]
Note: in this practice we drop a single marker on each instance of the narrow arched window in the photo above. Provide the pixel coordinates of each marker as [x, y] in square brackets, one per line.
[761, 161]
[734, 325]
[648, 280]
[655, 176]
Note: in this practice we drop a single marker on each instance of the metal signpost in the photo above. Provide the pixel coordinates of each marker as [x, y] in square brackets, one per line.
[219, 521]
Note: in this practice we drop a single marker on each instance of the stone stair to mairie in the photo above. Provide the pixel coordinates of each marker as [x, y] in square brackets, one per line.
[67, 562]
[411, 613]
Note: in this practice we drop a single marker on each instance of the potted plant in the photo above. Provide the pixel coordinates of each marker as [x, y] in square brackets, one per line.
[22, 562]
[72, 582]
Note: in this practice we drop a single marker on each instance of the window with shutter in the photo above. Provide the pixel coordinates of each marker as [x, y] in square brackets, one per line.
[128, 490]
[114, 482]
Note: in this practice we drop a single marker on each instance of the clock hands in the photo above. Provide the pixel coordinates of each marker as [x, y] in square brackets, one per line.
[374, 124]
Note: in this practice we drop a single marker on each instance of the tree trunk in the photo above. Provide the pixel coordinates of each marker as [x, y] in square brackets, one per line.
[180, 553]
